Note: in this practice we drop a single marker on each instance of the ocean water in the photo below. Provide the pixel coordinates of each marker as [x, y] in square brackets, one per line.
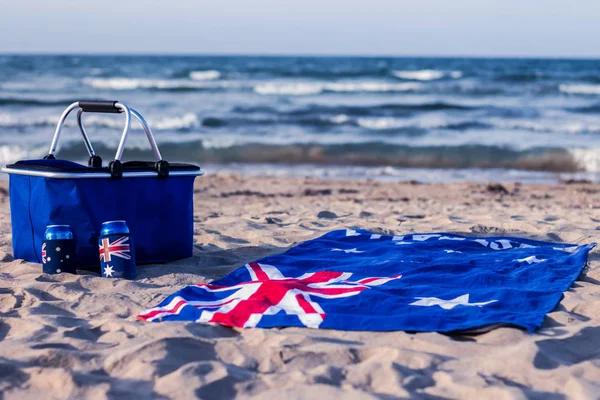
[431, 119]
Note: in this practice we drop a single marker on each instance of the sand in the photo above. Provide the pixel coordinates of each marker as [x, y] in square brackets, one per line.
[68, 336]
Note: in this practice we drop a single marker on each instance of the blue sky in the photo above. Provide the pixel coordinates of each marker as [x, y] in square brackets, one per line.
[375, 27]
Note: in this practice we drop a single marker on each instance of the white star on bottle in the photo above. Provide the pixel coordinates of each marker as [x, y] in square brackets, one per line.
[58, 249]
[49, 259]
[58, 271]
[354, 250]
[108, 271]
[67, 256]
[448, 304]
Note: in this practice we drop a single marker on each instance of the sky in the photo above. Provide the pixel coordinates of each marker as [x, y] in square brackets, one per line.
[524, 28]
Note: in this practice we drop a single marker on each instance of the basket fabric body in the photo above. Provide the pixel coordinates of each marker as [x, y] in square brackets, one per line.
[158, 211]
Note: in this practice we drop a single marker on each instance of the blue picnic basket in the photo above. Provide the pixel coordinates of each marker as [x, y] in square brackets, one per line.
[154, 198]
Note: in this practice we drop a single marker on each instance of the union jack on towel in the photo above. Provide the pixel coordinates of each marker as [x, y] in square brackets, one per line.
[358, 280]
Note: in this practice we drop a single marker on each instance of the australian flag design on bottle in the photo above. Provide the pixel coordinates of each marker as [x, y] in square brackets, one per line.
[58, 250]
[117, 257]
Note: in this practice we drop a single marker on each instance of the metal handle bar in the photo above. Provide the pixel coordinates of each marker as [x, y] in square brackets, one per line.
[118, 106]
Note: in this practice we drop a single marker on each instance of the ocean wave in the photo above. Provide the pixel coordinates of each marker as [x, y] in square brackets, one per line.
[393, 124]
[339, 119]
[399, 174]
[426, 74]
[228, 150]
[579, 89]
[388, 119]
[592, 109]
[12, 121]
[522, 77]
[379, 124]
[25, 102]
[135, 83]
[358, 110]
[292, 89]
[587, 159]
[207, 75]
[13, 153]
[547, 126]
[157, 84]
[183, 122]
[371, 87]
[314, 121]
[312, 88]
[222, 155]
[384, 125]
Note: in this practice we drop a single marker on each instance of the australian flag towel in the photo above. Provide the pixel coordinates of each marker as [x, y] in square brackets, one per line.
[358, 280]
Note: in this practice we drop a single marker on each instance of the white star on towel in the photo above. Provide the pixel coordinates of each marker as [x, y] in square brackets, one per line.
[572, 249]
[108, 271]
[356, 251]
[531, 260]
[448, 304]
[423, 238]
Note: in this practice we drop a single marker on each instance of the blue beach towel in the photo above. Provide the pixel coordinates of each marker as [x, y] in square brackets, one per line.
[358, 280]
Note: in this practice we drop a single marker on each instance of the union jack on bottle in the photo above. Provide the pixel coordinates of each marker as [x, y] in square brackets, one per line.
[117, 257]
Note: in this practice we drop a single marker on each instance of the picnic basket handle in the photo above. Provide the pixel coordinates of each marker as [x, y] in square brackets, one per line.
[115, 166]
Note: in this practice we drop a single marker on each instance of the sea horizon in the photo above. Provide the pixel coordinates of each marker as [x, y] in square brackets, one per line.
[302, 55]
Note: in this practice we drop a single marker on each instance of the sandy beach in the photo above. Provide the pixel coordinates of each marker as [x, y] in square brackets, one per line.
[76, 336]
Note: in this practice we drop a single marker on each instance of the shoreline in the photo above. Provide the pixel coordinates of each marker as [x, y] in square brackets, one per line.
[77, 335]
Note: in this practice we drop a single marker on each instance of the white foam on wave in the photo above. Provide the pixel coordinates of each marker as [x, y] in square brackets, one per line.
[372, 87]
[7, 120]
[139, 83]
[115, 83]
[220, 142]
[382, 123]
[312, 88]
[12, 153]
[185, 121]
[579, 89]
[11, 121]
[291, 88]
[339, 119]
[385, 123]
[588, 159]
[207, 75]
[427, 74]
[394, 174]
[571, 127]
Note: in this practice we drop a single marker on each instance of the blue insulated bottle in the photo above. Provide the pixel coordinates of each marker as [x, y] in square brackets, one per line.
[58, 250]
[117, 257]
